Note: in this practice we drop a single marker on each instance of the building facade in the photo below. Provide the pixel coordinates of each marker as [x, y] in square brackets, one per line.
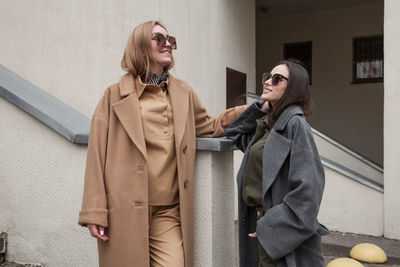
[72, 50]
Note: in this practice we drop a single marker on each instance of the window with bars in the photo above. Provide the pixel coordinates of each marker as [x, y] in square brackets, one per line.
[300, 51]
[368, 59]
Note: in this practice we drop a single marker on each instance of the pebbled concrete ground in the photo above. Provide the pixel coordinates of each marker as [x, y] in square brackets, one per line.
[337, 244]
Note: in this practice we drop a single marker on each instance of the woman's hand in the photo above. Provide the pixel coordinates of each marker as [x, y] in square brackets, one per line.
[265, 106]
[254, 235]
[97, 231]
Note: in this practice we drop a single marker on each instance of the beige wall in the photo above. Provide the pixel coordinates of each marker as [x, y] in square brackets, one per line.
[347, 205]
[392, 119]
[349, 113]
[72, 49]
[41, 187]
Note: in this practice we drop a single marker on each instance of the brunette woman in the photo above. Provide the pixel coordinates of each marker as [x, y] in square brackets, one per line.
[281, 179]
[139, 188]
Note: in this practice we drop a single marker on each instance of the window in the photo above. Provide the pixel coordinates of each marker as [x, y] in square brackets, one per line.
[368, 59]
[300, 51]
[235, 88]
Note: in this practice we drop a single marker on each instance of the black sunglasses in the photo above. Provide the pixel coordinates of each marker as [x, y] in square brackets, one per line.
[162, 40]
[275, 79]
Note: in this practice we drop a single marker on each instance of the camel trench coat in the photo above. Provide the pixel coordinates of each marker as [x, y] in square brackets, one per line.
[116, 178]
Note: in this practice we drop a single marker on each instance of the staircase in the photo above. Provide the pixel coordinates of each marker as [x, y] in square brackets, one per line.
[353, 190]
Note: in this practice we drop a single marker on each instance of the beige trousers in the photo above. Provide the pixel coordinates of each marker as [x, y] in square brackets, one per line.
[165, 236]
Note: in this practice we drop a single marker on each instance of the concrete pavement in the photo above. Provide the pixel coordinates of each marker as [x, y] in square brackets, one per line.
[337, 244]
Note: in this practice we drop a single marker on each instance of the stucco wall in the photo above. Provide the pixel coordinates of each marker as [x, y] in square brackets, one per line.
[347, 205]
[72, 49]
[349, 113]
[41, 188]
[392, 119]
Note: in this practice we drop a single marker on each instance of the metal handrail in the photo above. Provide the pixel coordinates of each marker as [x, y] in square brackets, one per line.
[352, 174]
[63, 119]
[75, 127]
[348, 150]
[336, 143]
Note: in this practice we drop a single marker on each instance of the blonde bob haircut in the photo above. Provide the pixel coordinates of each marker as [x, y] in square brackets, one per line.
[137, 54]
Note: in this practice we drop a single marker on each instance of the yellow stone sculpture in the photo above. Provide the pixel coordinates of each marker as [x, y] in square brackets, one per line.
[344, 262]
[368, 252]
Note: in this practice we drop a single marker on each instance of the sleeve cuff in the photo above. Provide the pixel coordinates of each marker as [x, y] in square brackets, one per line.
[271, 246]
[239, 110]
[257, 111]
[93, 216]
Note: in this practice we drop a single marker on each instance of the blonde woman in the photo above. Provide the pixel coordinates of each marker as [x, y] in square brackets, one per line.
[138, 192]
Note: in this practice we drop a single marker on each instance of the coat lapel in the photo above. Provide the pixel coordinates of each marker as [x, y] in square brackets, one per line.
[276, 150]
[286, 115]
[128, 112]
[179, 101]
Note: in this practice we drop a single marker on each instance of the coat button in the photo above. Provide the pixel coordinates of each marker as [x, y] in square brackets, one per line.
[185, 184]
[140, 168]
[184, 149]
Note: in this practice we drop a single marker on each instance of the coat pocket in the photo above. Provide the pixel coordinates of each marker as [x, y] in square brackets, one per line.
[120, 200]
[322, 230]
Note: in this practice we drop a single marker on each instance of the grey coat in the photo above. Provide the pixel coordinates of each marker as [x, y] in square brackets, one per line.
[292, 185]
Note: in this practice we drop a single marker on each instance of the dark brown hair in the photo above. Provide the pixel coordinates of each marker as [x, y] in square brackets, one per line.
[297, 91]
[137, 54]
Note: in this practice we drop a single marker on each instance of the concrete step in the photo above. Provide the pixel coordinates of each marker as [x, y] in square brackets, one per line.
[337, 245]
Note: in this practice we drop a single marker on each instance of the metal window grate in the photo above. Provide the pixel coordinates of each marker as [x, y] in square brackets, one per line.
[368, 59]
